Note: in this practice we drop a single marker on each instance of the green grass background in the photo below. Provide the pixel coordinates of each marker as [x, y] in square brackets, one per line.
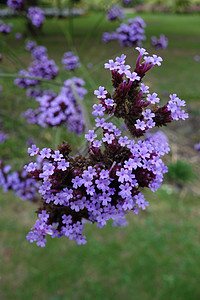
[158, 255]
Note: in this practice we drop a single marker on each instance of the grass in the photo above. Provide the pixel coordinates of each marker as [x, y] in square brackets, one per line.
[158, 255]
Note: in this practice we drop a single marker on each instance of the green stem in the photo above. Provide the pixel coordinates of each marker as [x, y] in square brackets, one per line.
[83, 107]
[43, 80]
[57, 136]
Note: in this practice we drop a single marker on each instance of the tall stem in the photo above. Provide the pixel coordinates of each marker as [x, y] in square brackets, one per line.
[48, 81]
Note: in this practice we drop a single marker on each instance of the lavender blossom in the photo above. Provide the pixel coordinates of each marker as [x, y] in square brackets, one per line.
[5, 28]
[16, 4]
[3, 137]
[61, 109]
[30, 45]
[18, 36]
[70, 61]
[115, 13]
[159, 43]
[20, 182]
[42, 68]
[108, 183]
[36, 15]
[129, 34]
[197, 147]
[39, 52]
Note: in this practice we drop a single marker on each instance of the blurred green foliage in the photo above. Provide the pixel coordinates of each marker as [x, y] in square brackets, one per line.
[174, 5]
[180, 172]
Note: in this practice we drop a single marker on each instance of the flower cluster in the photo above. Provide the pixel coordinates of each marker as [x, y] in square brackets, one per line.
[129, 34]
[5, 28]
[18, 36]
[70, 61]
[159, 43]
[108, 182]
[16, 4]
[3, 136]
[197, 147]
[36, 15]
[115, 13]
[41, 66]
[62, 109]
[20, 182]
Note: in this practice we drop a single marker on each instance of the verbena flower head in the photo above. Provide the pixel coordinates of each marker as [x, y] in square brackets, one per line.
[159, 43]
[30, 45]
[61, 109]
[197, 147]
[5, 28]
[3, 137]
[70, 61]
[42, 66]
[19, 182]
[36, 15]
[129, 34]
[107, 183]
[16, 4]
[18, 36]
[115, 13]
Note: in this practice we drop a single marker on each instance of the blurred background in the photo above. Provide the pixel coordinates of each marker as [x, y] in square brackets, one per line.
[157, 256]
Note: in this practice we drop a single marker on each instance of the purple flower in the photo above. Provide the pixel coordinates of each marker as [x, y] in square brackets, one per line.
[144, 88]
[98, 110]
[159, 43]
[90, 136]
[120, 60]
[16, 4]
[111, 65]
[123, 175]
[5, 28]
[107, 182]
[123, 69]
[45, 153]
[140, 125]
[101, 93]
[132, 76]
[36, 15]
[128, 34]
[33, 150]
[63, 165]
[140, 201]
[39, 52]
[197, 147]
[18, 36]
[115, 13]
[153, 98]
[3, 137]
[61, 109]
[57, 156]
[70, 61]
[148, 114]
[30, 45]
[108, 138]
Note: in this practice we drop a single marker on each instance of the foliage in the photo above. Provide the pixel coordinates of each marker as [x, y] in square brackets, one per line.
[180, 172]
[174, 5]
